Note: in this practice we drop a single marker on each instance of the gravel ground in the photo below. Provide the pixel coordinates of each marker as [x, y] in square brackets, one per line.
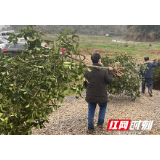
[71, 117]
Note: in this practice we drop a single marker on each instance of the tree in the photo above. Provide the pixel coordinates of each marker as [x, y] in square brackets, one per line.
[128, 80]
[31, 86]
[144, 30]
[82, 29]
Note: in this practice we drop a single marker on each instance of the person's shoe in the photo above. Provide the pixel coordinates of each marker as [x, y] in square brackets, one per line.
[90, 131]
[142, 92]
[150, 93]
[101, 126]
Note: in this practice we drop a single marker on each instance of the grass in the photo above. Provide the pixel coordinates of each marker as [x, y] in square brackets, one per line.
[105, 43]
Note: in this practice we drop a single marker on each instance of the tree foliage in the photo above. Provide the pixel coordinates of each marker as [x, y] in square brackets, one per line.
[129, 83]
[81, 29]
[156, 78]
[31, 85]
[146, 29]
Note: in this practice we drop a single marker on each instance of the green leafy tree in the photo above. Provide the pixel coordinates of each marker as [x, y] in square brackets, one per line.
[129, 82]
[33, 84]
[126, 79]
[156, 78]
[144, 30]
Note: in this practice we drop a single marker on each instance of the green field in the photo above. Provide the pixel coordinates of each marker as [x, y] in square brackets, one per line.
[102, 43]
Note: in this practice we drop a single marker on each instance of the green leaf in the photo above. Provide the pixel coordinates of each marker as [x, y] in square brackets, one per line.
[25, 45]
[66, 63]
[66, 66]
[48, 41]
[1, 96]
[86, 48]
[40, 67]
[38, 49]
[75, 36]
[38, 126]
[65, 88]
[3, 73]
[77, 45]
[2, 119]
[55, 44]
[66, 31]
[74, 31]
[27, 106]
[1, 114]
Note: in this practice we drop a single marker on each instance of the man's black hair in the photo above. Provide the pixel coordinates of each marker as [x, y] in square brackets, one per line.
[95, 57]
[146, 58]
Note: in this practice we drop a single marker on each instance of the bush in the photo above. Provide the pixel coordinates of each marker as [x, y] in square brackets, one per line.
[31, 86]
[129, 83]
[156, 78]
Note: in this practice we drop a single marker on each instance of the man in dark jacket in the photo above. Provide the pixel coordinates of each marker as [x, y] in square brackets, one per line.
[96, 91]
[148, 75]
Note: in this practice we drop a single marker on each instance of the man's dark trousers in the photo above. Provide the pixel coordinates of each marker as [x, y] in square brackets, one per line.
[91, 111]
[149, 84]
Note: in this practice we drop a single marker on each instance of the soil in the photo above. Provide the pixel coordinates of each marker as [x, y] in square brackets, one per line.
[99, 51]
[151, 51]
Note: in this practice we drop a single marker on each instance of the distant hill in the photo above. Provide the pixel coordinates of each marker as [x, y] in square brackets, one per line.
[147, 33]
[81, 29]
[150, 33]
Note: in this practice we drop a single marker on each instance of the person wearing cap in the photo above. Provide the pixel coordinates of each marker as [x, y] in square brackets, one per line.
[147, 76]
[96, 92]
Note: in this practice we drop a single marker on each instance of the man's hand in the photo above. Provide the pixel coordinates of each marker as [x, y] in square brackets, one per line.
[110, 68]
[154, 60]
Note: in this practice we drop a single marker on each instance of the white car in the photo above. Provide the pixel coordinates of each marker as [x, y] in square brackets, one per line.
[2, 44]
[21, 40]
[4, 40]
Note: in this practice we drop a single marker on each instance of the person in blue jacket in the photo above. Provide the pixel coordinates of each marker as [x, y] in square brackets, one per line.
[148, 75]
